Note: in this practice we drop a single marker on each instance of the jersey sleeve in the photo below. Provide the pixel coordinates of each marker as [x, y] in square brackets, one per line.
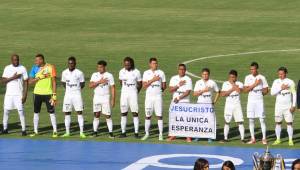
[163, 77]
[294, 93]
[172, 82]
[5, 73]
[81, 77]
[224, 87]
[33, 71]
[138, 76]
[264, 82]
[144, 77]
[189, 85]
[111, 80]
[63, 77]
[197, 87]
[275, 89]
[246, 83]
[216, 88]
[121, 75]
[25, 74]
[53, 71]
[93, 78]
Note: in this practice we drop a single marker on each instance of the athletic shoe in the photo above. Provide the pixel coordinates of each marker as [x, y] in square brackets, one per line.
[54, 135]
[4, 131]
[24, 133]
[252, 141]
[111, 135]
[264, 141]
[188, 140]
[291, 143]
[136, 135]
[33, 135]
[145, 137]
[94, 134]
[277, 142]
[123, 135]
[160, 137]
[82, 135]
[66, 135]
[171, 138]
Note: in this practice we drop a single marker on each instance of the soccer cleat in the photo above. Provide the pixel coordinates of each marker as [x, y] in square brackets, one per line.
[111, 135]
[276, 142]
[4, 131]
[291, 143]
[264, 141]
[188, 140]
[171, 138]
[136, 135]
[33, 135]
[160, 137]
[24, 133]
[66, 135]
[145, 137]
[82, 135]
[54, 135]
[123, 135]
[252, 141]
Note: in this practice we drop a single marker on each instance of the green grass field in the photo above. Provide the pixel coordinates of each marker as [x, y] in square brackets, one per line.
[173, 30]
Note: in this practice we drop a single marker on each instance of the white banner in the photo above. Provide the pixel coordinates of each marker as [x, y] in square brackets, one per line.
[192, 120]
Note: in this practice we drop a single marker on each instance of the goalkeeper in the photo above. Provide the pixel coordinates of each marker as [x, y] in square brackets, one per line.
[43, 75]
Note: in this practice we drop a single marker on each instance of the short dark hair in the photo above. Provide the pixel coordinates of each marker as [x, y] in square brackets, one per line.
[130, 60]
[15, 55]
[297, 161]
[233, 72]
[102, 63]
[182, 65]
[152, 59]
[40, 56]
[205, 70]
[72, 58]
[284, 69]
[254, 64]
[200, 164]
[229, 164]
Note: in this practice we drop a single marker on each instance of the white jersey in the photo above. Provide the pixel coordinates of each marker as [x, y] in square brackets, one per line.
[256, 93]
[129, 80]
[15, 87]
[187, 86]
[156, 87]
[234, 97]
[207, 96]
[72, 80]
[103, 89]
[284, 98]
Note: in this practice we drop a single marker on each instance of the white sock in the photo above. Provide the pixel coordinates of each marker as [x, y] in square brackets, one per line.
[251, 128]
[123, 123]
[278, 131]
[35, 122]
[22, 119]
[242, 131]
[160, 126]
[136, 124]
[290, 131]
[96, 124]
[80, 122]
[67, 123]
[226, 131]
[53, 121]
[147, 126]
[263, 127]
[109, 125]
[5, 119]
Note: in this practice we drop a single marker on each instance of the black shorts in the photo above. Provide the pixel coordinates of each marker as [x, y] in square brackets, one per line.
[39, 99]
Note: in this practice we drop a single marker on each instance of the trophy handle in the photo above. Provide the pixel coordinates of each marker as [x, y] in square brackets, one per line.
[255, 161]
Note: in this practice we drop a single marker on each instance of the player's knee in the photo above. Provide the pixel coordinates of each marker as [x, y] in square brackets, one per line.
[148, 117]
[79, 112]
[107, 116]
[262, 120]
[68, 113]
[124, 114]
[289, 123]
[97, 114]
[135, 114]
[159, 117]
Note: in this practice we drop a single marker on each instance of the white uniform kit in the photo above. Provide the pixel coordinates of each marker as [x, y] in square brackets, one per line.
[233, 106]
[206, 97]
[14, 93]
[153, 100]
[73, 96]
[285, 99]
[182, 89]
[101, 101]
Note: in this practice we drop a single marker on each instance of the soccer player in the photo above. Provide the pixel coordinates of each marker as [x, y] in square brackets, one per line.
[180, 86]
[284, 90]
[154, 81]
[104, 97]
[231, 89]
[205, 88]
[43, 75]
[73, 81]
[16, 79]
[256, 86]
[131, 82]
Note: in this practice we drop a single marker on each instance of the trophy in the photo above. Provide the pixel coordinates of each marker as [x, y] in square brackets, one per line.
[267, 162]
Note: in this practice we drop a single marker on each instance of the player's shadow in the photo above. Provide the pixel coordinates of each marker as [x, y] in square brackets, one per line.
[13, 127]
[49, 129]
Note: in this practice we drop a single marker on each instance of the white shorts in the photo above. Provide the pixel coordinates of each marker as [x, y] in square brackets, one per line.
[129, 100]
[153, 104]
[235, 111]
[255, 109]
[13, 102]
[283, 113]
[73, 101]
[102, 104]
